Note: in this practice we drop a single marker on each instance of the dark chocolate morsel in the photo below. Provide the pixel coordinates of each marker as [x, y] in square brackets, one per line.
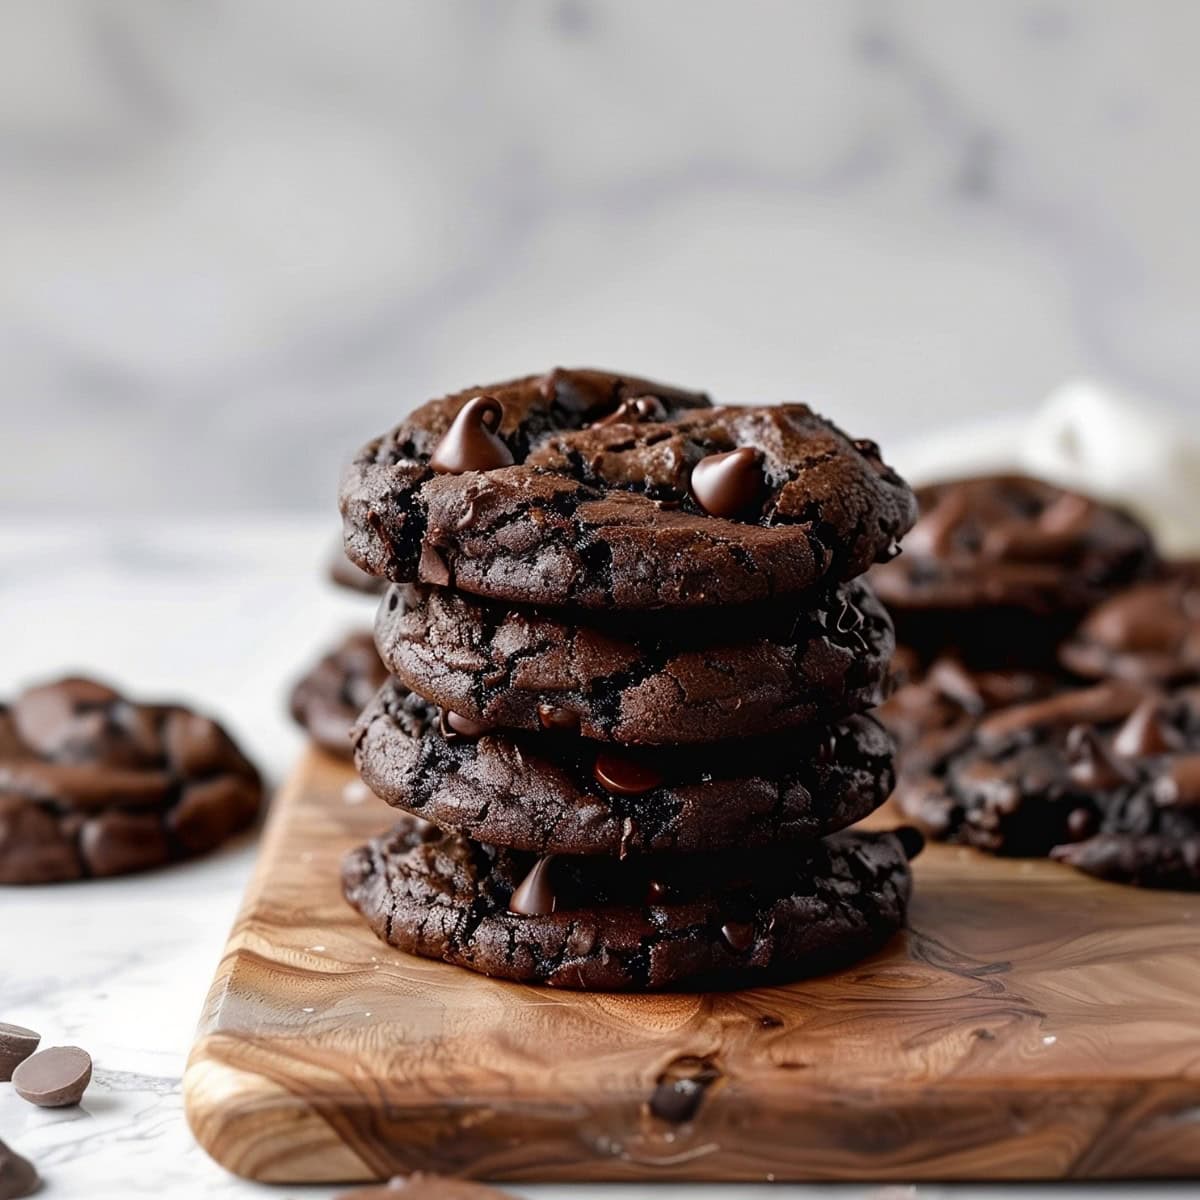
[472, 443]
[1145, 732]
[729, 484]
[454, 725]
[16, 1044]
[635, 409]
[54, 1078]
[739, 935]
[557, 719]
[535, 895]
[625, 776]
[1092, 766]
[18, 1176]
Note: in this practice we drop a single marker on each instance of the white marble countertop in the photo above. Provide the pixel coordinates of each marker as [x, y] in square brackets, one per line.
[224, 616]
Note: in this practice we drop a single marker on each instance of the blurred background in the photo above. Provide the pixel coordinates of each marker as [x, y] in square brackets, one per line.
[238, 238]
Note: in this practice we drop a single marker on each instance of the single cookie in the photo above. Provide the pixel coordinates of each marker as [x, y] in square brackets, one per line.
[641, 924]
[692, 677]
[556, 793]
[1001, 567]
[352, 577]
[1106, 778]
[1149, 633]
[328, 700]
[93, 784]
[595, 490]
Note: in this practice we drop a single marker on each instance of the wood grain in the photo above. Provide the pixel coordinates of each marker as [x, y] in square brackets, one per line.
[1034, 1023]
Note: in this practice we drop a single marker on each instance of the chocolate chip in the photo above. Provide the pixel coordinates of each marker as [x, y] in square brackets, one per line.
[472, 443]
[657, 892]
[18, 1176]
[454, 725]
[1081, 823]
[1091, 765]
[432, 567]
[1146, 731]
[729, 484]
[16, 1044]
[115, 843]
[556, 719]
[635, 410]
[535, 896]
[738, 935]
[625, 776]
[54, 1078]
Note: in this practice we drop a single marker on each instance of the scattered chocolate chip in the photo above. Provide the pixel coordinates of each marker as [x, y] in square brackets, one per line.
[18, 1176]
[16, 1044]
[535, 896]
[454, 725]
[635, 410]
[738, 935]
[729, 484]
[625, 776]
[54, 1078]
[556, 719]
[1091, 765]
[472, 443]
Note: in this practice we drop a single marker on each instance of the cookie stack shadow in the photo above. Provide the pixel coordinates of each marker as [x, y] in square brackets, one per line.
[631, 661]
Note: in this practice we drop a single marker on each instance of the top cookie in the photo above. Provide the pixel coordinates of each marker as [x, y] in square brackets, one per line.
[598, 490]
[1011, 542]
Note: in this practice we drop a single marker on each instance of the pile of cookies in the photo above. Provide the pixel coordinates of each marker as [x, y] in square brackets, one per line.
[1050, 681]
[630, 661]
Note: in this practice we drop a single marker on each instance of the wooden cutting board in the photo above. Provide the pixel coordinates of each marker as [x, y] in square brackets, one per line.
[1032, 1024]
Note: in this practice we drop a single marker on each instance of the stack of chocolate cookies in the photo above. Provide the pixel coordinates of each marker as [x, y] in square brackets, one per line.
[630, 665]
[1049, 681]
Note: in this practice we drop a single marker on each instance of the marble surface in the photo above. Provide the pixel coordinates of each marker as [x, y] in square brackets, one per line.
[237, 236]
[223, 615]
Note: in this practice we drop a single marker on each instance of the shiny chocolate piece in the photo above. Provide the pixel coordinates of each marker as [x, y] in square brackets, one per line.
[54, 1078]
[635, 410]
[472, 442]
[534, 896]
[604, 517]
[326, 701]
[554, 718]
[454, 725]
[1147, 731]
[18, 1176]
[93, 785]
[16, 1044]
[625, 776]
[730, 484]
[738, 935]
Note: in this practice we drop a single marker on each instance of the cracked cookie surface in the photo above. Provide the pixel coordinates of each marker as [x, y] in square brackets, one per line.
[637, 925]
[542, 793]
[93, 784]
[687, 678]
[599, 490]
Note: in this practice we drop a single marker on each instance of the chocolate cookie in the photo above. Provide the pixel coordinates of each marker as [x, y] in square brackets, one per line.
[1002, 566]
[93, 784]
[1106, 778]
[595, 490]
[1149, 633]
[640, 924]
[677, 679]
[557, 793]
[327, 700]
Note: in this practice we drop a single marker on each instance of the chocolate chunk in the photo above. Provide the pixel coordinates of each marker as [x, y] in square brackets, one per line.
[54, 1078]
[625, 776]
[559, 720]
[534, 896]
[472, 443]
[729, 484]
[16, 1044]
[18, 1176]
[455, 725]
